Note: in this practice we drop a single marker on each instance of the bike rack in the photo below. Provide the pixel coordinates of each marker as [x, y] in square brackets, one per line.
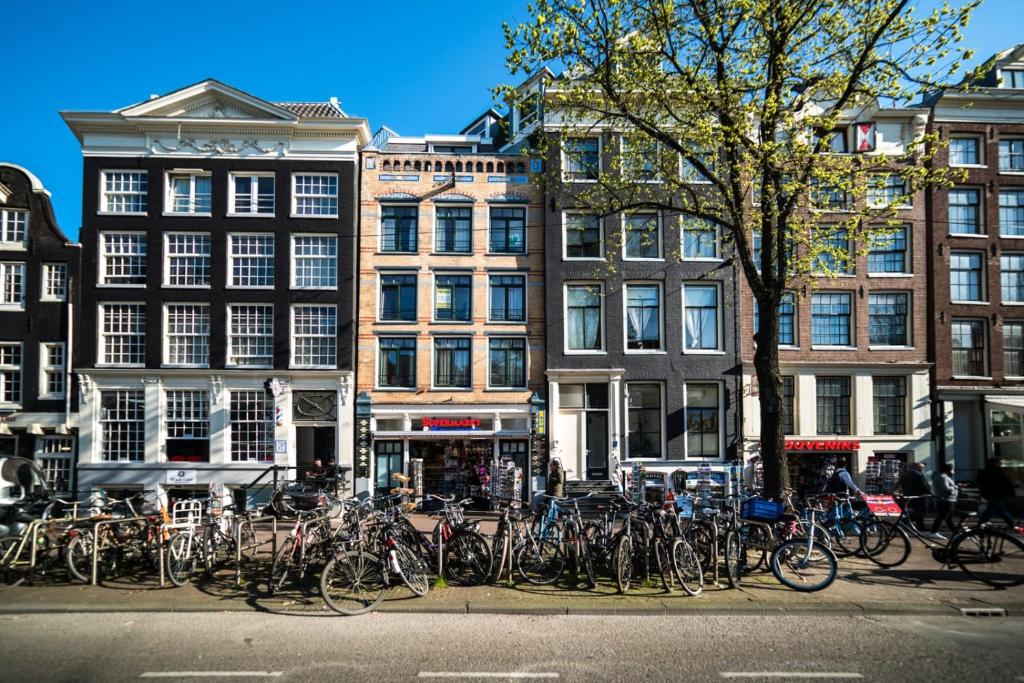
[238, 542]
[96, 541]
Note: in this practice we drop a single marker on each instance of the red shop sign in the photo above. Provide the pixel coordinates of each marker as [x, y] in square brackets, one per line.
[431, 423]
[822, 445]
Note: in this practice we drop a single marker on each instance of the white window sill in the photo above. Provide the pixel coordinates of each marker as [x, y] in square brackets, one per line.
[788, 347]
[638, 259]
[395, 389]
[881, 275]
[333, 366]
[120, 365]
[890, 348]
[250, 215]
[505, 322]
[52, 300]
[832, 348]
[566, 179]
[1011, 173]
[505, 389]
[10, 406]
[122, 213]
[314, 289]
[112, 285]
[703, 352]
[12, 307]
[968, 165]
[957, 302]
[835, 275]
[230, 366]
[314, 215]
[592, 259]
[263, 287]
[979, 377]
[185, 366]
[453, 390]
[1014, 378]
[1011, 237]
[701, 259]
[51, 397]
[585, 353]
[503, 253]
[186, 214]
[976, 235]
[13, 246]
[644, 352]
[169, 286]
[1013, 303]
[696, 182]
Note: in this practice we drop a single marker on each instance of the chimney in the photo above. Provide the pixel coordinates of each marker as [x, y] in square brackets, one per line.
[334, 101]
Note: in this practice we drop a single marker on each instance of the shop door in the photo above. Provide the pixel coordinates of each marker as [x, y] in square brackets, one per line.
[388, 461]
[597, 444]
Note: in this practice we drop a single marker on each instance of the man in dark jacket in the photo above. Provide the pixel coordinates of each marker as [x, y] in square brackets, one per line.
[996, 488]
[914, 483]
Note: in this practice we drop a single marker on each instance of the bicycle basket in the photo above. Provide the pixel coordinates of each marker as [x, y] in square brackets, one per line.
[761, 510]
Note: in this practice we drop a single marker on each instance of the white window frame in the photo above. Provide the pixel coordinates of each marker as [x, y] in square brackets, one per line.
[565, 317]
[168, 256]
[102, 256]
[720, 347]
[47, 367]
[231, 256]
[252, 176]
[203, 412]
[909, 320]
[231, 337]
[978, 140]
[624, 217]
[295, 259]
[66, 458]
[266, 432]
[19, 368]
[101, 346]
[657, 159]
[721, 420]
[192, 174]
[48, 269]
[664, 421]
[103, 192]
[101, 424]
[194, 337]
[873, 193]
[295, 195]
[7, 268]
[701, 259]
[321, 335]
[11, 220]
[526, 284]
[851, 252]
[600, 157]
[601, 230]
[662, 341]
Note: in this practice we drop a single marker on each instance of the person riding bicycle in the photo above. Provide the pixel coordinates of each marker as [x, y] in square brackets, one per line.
[841, 481]
[913, 483]
[946, 492]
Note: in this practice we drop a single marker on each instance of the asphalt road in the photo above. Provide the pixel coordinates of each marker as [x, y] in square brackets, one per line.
[402, 647]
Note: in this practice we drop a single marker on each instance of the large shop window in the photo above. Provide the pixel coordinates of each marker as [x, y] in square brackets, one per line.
[388, 462]
[453, 297]
[252, 426]
[122, 258]
[507, 363]
[584, 238]
[969, 357]
[251, 335]
[453, 362]
[123, 334]
[890, 402]
[187, 335]
[10, 373]
[508, 230]
[188, 426]
[122, 424]
[398, 225]
[700, 317]
[252, 261]
[508, 298]
[1008, 443]
[643, 236]
[124, 192]
[645, 420]
[703, 425]
[398, 296]
[833, 405]
[314, 336]
[454, 232]
[643, 317]
[397, 363]
[584, 309]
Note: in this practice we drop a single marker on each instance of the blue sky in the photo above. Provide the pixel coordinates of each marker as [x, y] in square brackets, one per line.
[414, 66]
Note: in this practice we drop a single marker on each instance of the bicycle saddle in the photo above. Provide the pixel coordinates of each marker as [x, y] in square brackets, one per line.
[403, 478]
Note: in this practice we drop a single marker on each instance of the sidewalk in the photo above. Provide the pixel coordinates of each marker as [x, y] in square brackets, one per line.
[919, 587]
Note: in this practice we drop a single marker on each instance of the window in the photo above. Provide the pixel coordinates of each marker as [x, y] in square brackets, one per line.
[187, 335]
[454, 232]
[829, 197]
[452, 362]
[640, 159]
[387, 462]
[397, 362]
[188, 426]
[1011, 155]
[830, 319]
[643, 236]
[788, 405]
[964, 212]
[314, 336]
[833, 405]
[251, 335]
[1012, 78]
[55, 456]
[506, 361]
[314, 262]
[644, 421]
[122, 425]
[1013, 348]
[252, 426]
[787, 319]
[887, 319]
[1011, 277]
[123, 334]
[13, 228]
[315, 194]
[189, 193]
[691, 173]
[53, 366]
[700, 239]
[836, 140]
[252, 195]
[252, 260]
[12, 275]
[964, 151]
[700, 317]
[452, 297]
[1011, 213]
[582, 158]
[965, 276]
[123, 258]
[124, 192]
[969, 348]
[398, 228]
[890, 400]
[583, 317]
[835, 250]
[397, 296]
[508, 230]
[887, 190]
[702, 423]
[55, 282]
[188, 260]
[508, 298]
[756, 249]
[643, 317]
[10, 373]
[583, 236]
[888, 252]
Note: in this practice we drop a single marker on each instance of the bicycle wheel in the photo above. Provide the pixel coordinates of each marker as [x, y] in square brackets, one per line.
[885, 543]
[661, 559]
[989, 555]
[284, 562]
[10, 574]
[412, 569]
[352, 583]
[732, 549]
[845, 535]
[804, 566]
[597, 542]
[587, 560]
[467, 559]
[498, 553]
[755, 544]
[78, 559]
[181, 558]
[687, 567]
[702, 543]
[539, 562]
[215, 550]
[622, 562]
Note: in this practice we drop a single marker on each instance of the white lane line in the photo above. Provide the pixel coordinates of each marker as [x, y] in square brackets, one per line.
[211, 674]
[791, 674]
[486, 674]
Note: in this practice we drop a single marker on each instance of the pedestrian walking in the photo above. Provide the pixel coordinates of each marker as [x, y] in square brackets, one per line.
[555, 486]
[995, 487]
[946, 492]
[914, 483]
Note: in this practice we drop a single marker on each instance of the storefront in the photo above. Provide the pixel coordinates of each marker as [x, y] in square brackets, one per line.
[980, 426]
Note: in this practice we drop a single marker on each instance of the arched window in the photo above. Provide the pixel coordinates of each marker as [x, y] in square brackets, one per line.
[490, 167]
[386, 165]
[479, 167]
[501, 167]
[449, 167]
[520, 167]
[416, 165]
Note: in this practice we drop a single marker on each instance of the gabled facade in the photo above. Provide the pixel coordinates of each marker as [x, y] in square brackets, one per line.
[38, 281]
[218, 236]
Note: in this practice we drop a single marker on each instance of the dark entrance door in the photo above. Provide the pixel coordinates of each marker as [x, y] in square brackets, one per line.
[596, 437]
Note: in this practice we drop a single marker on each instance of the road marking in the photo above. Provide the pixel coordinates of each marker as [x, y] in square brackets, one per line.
[486, 674]
[211, 674]
[790, 674]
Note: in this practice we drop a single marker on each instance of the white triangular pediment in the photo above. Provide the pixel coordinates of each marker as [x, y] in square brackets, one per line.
[208, 100]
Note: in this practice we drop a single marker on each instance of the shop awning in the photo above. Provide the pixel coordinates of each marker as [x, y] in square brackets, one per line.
[1012, 404]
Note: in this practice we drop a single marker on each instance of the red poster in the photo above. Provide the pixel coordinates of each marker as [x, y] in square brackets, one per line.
[883, 506]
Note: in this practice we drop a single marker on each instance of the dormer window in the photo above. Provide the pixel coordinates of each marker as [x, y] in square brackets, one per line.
[1012, 78]
[189, 193]
[13, 229]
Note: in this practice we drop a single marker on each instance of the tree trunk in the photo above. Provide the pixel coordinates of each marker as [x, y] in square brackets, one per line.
[769, 383]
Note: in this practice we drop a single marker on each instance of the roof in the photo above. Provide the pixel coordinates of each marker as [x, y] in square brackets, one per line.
[313, 110]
